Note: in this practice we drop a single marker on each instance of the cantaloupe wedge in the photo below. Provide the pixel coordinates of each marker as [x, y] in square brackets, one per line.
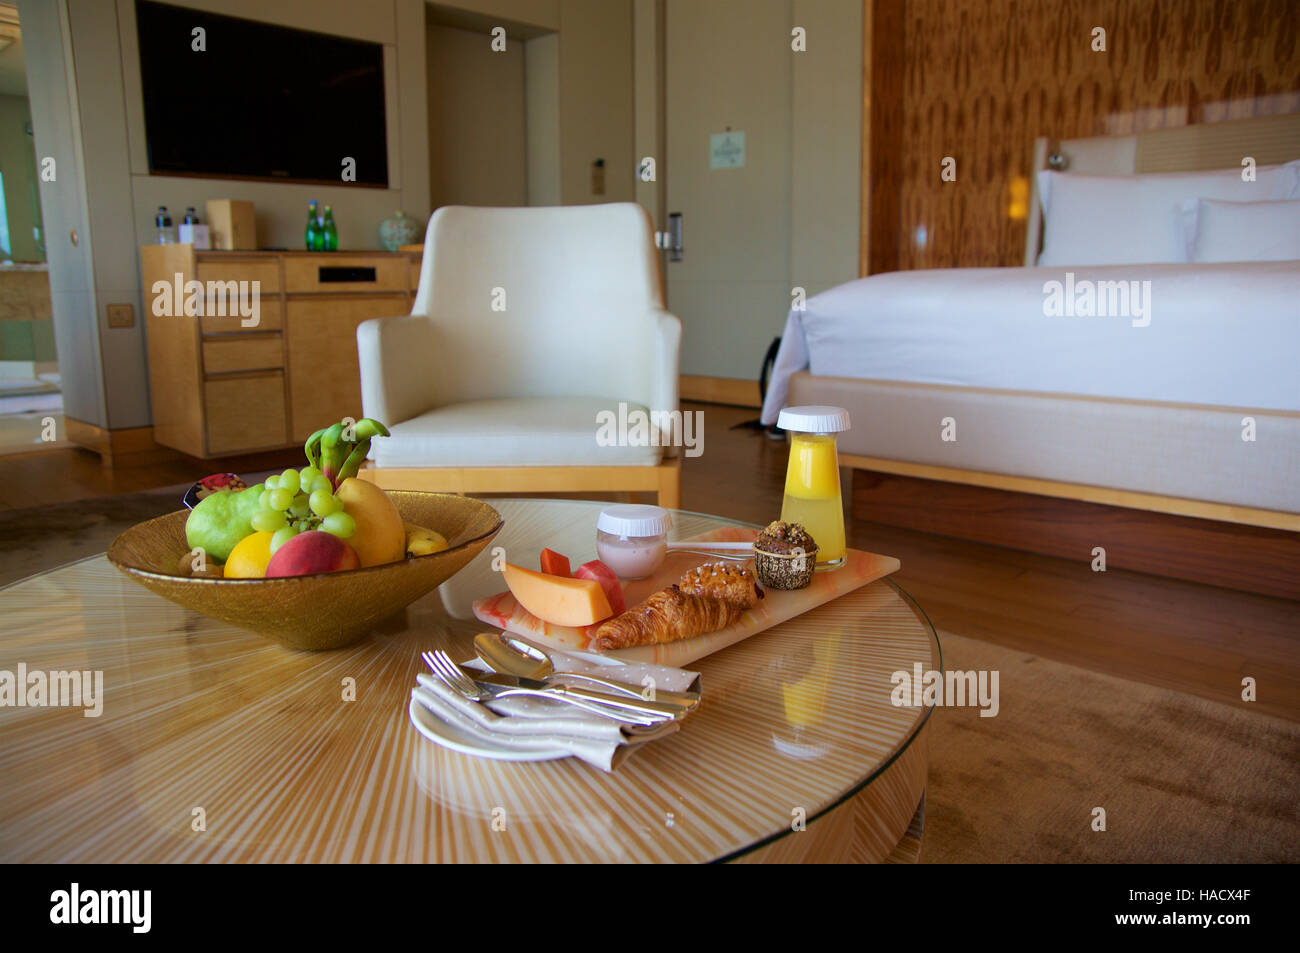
[557, 600]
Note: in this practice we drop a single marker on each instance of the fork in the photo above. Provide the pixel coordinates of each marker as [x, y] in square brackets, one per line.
[451, 675]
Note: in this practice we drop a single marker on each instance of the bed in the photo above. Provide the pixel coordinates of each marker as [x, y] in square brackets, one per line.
[1163, 388]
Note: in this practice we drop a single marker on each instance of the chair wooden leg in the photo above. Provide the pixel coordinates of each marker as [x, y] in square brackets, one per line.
[670, 485]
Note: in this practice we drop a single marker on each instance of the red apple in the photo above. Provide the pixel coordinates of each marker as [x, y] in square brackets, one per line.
[312, 552]
[602, 574]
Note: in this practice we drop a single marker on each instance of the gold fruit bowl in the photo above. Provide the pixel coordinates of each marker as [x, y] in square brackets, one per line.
[324, 611]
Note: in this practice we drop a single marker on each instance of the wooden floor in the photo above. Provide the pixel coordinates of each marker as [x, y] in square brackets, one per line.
[1180, 635]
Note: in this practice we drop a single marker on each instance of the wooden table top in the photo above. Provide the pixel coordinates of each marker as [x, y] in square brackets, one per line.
[214, 744]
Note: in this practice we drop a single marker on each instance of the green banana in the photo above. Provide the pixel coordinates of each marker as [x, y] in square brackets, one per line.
[353, 463]
[312, 448]
[366, 428]
[339, 454]
[331, 453]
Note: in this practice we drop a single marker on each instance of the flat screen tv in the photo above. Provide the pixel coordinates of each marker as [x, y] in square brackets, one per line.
[259, 101]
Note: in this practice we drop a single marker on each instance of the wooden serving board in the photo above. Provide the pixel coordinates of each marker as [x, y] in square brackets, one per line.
[859, 569]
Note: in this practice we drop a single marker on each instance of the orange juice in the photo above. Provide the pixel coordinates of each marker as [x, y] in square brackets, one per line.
[812, 494]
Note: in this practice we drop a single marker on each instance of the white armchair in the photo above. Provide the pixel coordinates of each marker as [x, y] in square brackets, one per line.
[529, 324]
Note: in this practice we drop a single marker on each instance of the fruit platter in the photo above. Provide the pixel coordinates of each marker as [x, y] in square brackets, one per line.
[312, 557]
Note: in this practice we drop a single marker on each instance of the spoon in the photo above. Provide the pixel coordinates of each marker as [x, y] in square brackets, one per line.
[716, 550]
[512, 656]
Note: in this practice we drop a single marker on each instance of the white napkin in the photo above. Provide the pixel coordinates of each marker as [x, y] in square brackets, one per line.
[537, 724]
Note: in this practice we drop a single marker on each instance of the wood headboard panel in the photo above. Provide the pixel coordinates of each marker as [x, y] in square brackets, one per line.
[1270, 140]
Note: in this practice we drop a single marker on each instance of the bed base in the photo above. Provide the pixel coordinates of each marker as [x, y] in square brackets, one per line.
[1178, 542]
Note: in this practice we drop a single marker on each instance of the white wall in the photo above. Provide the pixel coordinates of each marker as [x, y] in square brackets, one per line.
[542, 109]
[789, 217]
[477, 139]
[826, 147]
[596, 99]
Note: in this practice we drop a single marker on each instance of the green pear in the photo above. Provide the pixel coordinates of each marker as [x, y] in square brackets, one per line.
[221, 520]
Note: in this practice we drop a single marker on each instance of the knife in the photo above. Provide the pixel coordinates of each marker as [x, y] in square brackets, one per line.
[623, 703]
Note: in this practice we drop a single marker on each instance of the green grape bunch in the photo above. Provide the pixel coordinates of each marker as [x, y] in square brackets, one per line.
[297, 501]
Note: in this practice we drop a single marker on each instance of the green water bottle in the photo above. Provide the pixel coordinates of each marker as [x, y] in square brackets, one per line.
[329, 233]
[315, 237]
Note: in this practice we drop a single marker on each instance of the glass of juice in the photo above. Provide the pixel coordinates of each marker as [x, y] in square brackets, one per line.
[812, 479]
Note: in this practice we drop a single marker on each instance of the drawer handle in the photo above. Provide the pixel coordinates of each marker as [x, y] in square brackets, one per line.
[328, 274]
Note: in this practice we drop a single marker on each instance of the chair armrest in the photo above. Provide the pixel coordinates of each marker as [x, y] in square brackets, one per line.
[666, 332]
[396, 358]
[668, 354]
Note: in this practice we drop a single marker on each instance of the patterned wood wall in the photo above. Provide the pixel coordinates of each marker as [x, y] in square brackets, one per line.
[982, 78]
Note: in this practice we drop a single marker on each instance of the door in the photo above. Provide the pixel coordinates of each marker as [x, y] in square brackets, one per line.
[728, 73]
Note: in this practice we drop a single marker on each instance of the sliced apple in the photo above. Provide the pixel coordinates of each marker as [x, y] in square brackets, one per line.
[557, 600]
[598, 571]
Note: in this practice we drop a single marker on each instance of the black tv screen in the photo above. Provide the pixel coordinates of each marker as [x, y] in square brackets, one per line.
[259, 101]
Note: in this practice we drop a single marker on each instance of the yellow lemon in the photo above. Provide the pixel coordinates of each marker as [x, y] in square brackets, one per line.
[380, 536]
[249, 557]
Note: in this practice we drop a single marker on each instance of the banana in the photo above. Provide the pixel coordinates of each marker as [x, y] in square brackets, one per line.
[353, 463]
[312, 448]
[422, 542]
[330, 452]
[366, 428]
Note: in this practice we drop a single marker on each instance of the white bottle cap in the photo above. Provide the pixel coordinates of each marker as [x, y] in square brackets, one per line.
[634, 521]
[813, 419]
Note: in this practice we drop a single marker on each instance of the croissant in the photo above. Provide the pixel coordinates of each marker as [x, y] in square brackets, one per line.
[668, 615]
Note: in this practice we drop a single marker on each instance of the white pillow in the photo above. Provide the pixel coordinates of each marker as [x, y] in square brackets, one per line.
[1121, 220]
[1241, 231]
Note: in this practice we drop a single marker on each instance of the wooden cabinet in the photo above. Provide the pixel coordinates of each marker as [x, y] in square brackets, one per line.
[327, 385]
[263, 350]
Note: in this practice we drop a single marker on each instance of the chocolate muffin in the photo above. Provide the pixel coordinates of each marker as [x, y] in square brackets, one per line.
[785, 556]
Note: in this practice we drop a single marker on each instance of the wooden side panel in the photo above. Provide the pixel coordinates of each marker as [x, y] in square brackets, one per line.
[175, 377]
[1249, 558]
[882, 130]
[324, 377]
[981, 79]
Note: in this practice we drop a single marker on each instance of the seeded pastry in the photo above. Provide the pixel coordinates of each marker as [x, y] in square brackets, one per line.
[706, 599]
[726, 581]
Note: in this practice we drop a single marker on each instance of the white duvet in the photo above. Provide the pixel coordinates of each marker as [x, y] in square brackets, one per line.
[1225, 335]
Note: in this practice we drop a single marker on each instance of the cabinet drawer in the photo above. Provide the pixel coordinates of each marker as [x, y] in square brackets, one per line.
[247, 353]
[323, 274]
[269, 313]
[266, 273]
[245, 413]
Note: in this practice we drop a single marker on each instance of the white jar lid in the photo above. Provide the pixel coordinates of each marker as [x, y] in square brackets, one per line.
[813, 419]
[634, 520]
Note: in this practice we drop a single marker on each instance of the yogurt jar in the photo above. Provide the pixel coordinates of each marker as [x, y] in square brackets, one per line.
[633, 540]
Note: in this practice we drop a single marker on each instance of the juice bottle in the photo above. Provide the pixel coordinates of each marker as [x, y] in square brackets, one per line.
[812, 478]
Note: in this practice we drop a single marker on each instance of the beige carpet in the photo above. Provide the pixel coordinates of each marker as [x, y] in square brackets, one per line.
[1182, 780]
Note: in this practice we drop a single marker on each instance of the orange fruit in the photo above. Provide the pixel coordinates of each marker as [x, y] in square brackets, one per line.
[249, 557]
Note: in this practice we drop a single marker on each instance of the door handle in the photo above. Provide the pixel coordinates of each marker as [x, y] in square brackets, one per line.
[672, 239]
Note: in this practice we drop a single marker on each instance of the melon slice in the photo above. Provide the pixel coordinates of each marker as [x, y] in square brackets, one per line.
[557, 600]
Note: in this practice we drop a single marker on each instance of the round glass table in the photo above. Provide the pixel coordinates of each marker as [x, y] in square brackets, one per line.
[214, 744]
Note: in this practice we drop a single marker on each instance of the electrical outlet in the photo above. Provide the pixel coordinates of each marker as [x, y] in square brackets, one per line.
[121, 316]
